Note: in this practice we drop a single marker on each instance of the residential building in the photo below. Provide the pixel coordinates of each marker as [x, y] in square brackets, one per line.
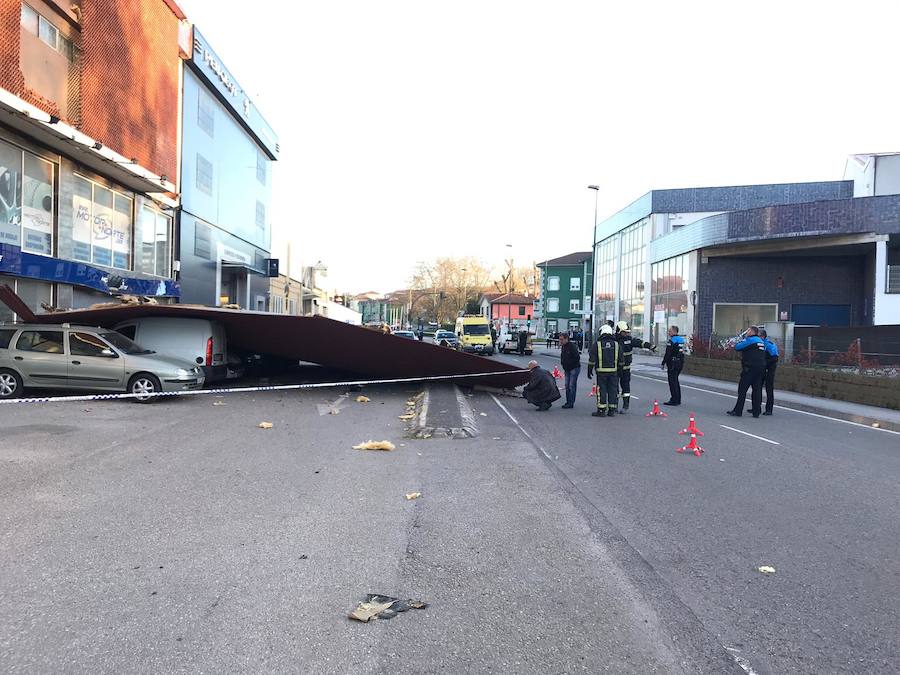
[565, 294]
[88, 149]
[807, 254]
[377, 309]
[513, 310]
[484, 303]
[227, 151]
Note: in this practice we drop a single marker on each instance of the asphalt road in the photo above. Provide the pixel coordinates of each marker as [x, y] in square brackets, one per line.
[180, 537]
[815, 498]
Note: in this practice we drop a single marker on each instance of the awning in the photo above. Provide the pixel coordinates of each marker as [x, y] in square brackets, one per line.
[66, 140]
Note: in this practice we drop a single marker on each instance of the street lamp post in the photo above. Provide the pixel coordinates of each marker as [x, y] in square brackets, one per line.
[596, 189]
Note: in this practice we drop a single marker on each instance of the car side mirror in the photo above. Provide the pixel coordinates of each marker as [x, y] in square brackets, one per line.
[109, 353]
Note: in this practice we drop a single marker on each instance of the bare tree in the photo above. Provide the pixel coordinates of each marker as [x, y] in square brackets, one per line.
[442, 288]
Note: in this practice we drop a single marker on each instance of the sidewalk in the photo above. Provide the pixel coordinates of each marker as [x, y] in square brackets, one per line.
[649, 366]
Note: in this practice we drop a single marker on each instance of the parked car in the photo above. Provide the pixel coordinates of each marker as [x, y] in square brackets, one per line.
[201, 341]
[445, 338]
[37, 356]
[408, 334]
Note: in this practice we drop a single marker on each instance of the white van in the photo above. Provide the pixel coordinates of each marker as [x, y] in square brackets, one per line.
[199, 341]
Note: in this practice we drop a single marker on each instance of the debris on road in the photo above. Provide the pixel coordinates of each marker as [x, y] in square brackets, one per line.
[383, 607]
[218, 402]
[483, 414]
[766, 569]
[407, 416]
[362, 399]
[265, 425]
[375, 445]
[413, 495]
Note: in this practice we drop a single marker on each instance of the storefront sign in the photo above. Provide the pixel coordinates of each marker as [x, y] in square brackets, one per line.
[659, 316]
[18, 263]
[208, 64]
[230, 255]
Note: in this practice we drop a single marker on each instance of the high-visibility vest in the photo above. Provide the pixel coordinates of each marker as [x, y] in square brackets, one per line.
[607, 355]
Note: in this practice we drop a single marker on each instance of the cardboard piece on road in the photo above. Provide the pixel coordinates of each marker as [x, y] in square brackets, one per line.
[362, 399]
[766, 569]
[383, 607]
[413, 495]
[265, 425]
[375, 445]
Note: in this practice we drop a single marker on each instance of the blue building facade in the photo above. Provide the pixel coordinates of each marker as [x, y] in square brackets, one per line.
[227, 150]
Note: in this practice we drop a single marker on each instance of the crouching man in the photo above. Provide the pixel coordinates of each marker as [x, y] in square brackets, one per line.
[541, 389]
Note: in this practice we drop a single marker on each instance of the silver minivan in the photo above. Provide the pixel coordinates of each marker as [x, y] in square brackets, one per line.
[40, 356]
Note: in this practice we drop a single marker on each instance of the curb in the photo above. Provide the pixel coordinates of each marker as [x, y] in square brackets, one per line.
[863, 420]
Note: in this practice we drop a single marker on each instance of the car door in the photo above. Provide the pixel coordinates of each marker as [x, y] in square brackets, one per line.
[93, 363]
[40, 355]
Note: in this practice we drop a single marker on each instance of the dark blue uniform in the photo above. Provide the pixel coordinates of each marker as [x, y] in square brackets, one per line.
[673, 361]
[627, 344]
[753, 372]
[771, 365]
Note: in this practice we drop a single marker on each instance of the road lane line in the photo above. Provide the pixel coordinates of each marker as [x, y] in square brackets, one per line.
[521, 428]
[781, 407]
[759, 438]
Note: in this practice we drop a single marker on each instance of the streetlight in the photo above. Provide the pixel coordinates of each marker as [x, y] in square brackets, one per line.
[596, 189]
[465, 290]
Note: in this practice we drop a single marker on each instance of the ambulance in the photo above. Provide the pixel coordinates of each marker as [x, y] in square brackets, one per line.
[474, 335]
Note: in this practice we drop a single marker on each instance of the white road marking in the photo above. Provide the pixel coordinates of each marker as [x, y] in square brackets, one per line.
[521, 428]
[781, 407]
[741, 661]
[759, 438]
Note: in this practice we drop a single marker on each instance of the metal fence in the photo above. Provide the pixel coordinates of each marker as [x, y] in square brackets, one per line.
[882, 359]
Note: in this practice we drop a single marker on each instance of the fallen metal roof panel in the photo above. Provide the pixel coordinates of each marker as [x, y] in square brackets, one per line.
[313, 339]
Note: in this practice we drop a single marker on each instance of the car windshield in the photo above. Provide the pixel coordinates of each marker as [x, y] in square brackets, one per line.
[123, 344]
[442, 334]
[476, 329]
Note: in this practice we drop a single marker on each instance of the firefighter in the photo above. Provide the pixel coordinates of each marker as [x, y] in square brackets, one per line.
[605, 358]
[627, 344]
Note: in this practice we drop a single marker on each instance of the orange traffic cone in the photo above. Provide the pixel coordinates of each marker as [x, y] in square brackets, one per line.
[656, 412]
[696, 449]
[593, 391]
[691, 428]
[556, 372]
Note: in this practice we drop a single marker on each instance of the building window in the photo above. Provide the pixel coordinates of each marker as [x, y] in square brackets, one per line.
[102, 229]
[521, 310]
[260, 215]
[575, 284]
[277, 305]
[29, 19]
[552, 283]
[206, 114]
[156, 238]
[292, 307]
[261, 167]
[47, 32]
[204, 174]
[552, 304]
[551, 327]
[26, 200]
[202, 240]
[575, 305]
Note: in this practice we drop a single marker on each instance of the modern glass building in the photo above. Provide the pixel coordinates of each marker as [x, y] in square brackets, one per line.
[652, 293]
[227, 151]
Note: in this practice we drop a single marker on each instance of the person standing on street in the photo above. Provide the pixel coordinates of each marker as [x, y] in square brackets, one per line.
[541, 389]
[771, 365]
[570, 360]
[605, 358]
[627, 345]
[522, 342]
[673, 362]
[753, 372]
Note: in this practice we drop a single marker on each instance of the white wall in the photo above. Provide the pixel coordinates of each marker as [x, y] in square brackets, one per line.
[887, 175]
[338, 312]
[861, 170]
[887, 305]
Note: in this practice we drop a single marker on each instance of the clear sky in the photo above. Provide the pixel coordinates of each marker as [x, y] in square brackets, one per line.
[412, 129]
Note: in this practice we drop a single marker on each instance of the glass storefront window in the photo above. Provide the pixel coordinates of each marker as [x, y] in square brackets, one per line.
[37, 206]
[102, 225]
[156, 240]
[10, 194]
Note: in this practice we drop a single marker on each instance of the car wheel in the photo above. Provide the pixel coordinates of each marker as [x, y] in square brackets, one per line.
[142, 385]
[10, 384]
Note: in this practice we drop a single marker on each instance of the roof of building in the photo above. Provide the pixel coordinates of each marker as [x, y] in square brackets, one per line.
[570, 259]
[512, 299]
[490, 296]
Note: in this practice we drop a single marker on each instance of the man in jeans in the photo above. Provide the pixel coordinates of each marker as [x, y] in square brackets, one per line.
[570, 360]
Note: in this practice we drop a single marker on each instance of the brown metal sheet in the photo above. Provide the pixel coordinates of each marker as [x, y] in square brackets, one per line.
[313, 339]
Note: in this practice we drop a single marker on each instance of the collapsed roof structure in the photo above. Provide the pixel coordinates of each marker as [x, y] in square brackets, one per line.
[329, 343]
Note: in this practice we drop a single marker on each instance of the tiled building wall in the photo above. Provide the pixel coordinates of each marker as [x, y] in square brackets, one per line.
[839, 280]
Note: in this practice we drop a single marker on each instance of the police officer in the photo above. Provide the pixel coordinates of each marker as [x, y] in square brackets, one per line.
[771, 365]
[753, 372]
[606, 357]
[627, 344]
[673, 362]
